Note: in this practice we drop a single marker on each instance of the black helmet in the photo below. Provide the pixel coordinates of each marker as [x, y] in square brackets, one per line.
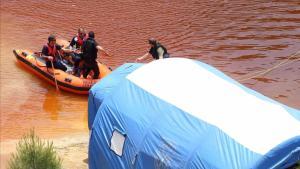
[152, 41]
[51, 38]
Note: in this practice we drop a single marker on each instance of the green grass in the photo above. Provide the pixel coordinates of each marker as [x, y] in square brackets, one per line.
[33, 153]
[298, 167]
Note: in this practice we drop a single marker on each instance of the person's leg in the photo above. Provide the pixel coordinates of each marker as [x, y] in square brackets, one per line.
[48, 64]
[86, 71]
[59, 65]
[96, 71]
[76, 58]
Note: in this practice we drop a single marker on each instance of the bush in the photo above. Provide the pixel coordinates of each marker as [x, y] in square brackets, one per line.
[32, 153]
[295, 166]
[298, 166]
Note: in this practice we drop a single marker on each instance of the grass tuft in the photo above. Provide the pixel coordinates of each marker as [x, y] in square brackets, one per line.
[33, 153]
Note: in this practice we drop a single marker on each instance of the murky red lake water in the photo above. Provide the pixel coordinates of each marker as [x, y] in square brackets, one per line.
[237, 37]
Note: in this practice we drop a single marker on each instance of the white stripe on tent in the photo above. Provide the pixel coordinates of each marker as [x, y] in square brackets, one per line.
[253, 122]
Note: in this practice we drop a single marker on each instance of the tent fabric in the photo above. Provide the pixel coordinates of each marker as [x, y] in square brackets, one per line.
[182, 113]
[106, 86]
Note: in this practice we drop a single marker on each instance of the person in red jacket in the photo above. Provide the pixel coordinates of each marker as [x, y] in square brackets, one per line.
[76, 45]
[51, 52]
[77, 41]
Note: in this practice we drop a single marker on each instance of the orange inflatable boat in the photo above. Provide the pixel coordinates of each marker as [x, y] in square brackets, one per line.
[65, 80]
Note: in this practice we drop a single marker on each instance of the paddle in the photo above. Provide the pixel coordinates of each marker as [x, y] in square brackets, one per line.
[57, 89]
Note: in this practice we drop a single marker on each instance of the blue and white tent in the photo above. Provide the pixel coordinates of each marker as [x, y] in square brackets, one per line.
[181, 113]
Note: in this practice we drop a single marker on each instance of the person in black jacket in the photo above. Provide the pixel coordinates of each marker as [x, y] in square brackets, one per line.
[89, 50]
[157, 51]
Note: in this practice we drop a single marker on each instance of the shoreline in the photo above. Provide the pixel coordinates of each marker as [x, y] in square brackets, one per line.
[72, 149]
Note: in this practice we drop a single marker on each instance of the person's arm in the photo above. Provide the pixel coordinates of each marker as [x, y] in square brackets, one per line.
[146, 55]
[73, 42]
[66, 50]
[160, 52]
[50, 58]
[100, 48]
[60, 51]
[72, 46]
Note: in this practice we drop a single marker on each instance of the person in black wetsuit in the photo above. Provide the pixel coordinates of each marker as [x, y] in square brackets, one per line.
[89, 50]
[157, 51]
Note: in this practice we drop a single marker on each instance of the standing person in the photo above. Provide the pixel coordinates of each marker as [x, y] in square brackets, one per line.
[50, 53]
[89, 50]
[157, 51]
[76, 44]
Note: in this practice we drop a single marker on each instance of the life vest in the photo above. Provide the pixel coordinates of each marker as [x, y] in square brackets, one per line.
[154, 53]
[51, 51]
[80, 40]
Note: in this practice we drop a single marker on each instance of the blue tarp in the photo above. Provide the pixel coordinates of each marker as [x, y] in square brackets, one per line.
[98, 92]
[182, 113]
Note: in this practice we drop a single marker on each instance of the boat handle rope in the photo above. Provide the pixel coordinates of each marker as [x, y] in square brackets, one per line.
[295, 57]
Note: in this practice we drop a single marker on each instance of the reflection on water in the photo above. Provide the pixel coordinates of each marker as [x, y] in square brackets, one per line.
[52, 106]
[238, 37]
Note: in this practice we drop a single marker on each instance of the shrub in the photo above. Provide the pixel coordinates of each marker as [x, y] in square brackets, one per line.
[32, 153]
[298, 166]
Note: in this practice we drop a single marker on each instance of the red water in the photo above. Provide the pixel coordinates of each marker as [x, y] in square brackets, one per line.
[238, 37]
